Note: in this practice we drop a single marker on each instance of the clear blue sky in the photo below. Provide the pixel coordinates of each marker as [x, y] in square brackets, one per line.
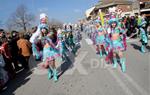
[64, 10]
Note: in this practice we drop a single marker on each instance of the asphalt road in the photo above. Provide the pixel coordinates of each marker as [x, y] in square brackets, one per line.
[87, 74]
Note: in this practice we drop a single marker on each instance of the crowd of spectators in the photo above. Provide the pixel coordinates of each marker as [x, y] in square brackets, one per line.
[15, 50]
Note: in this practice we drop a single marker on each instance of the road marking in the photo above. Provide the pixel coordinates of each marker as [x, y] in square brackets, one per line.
[140, 89]
[118, 80]
[136, 86]
[77, 65]
[121, 84]
[89, 41]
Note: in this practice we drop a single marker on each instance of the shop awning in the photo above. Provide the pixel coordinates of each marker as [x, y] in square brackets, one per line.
[89, 11]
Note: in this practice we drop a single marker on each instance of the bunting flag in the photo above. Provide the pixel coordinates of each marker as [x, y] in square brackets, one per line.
[101, 17]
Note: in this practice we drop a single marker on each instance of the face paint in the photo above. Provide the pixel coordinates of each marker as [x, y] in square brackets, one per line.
[114, 24]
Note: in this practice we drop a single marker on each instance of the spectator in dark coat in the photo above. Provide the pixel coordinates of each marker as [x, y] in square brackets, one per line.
[14, 49]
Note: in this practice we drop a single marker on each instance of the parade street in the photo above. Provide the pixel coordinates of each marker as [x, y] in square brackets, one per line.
[88, 74]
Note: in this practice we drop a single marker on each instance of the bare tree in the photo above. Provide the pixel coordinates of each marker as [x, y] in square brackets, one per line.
[55, 23]
[9, 25]
[20, 19]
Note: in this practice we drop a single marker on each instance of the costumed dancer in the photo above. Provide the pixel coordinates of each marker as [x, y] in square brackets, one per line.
[100, 38]
[50, 53]
[108, 44]
[123, 31]
[66, 33]
[36, 36]
[61, 45]
[91, 29]
[143, 35]
[93, 36]
[117, 45]
[77, 34]
[70, 40]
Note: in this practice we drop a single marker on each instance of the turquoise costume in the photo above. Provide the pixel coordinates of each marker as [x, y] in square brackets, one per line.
[100, 39]
[143, 35]
[61, 46]
[117, 45]
[34, 41]
[71, 41]
[50, 53]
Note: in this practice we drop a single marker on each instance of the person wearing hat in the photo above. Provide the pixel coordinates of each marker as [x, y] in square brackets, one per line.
[35, 36]
[117, 44]
[70, 41]
[143, 35]
[100, 37]
[61, 45]
[50, 53]
[123, 32]
[78, 35]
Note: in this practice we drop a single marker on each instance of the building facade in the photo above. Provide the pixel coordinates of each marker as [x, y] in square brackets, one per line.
[128, 7]
[145, 7]
[106, 5]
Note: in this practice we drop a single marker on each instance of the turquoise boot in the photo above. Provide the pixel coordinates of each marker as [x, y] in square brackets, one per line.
[115, 63]
[55, 75]
[49, 73]
[101, 54]
[35, 51]
[106, 53]
[123, 66]
[142, 49]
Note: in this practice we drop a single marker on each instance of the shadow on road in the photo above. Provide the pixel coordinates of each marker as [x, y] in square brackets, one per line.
[136, 47]
[24, 76]
[21, 78]
[148, 47]
[13, 85]
[33, 63]
[70, 59]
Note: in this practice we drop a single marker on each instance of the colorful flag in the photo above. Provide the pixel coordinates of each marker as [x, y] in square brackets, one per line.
[101, 17]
